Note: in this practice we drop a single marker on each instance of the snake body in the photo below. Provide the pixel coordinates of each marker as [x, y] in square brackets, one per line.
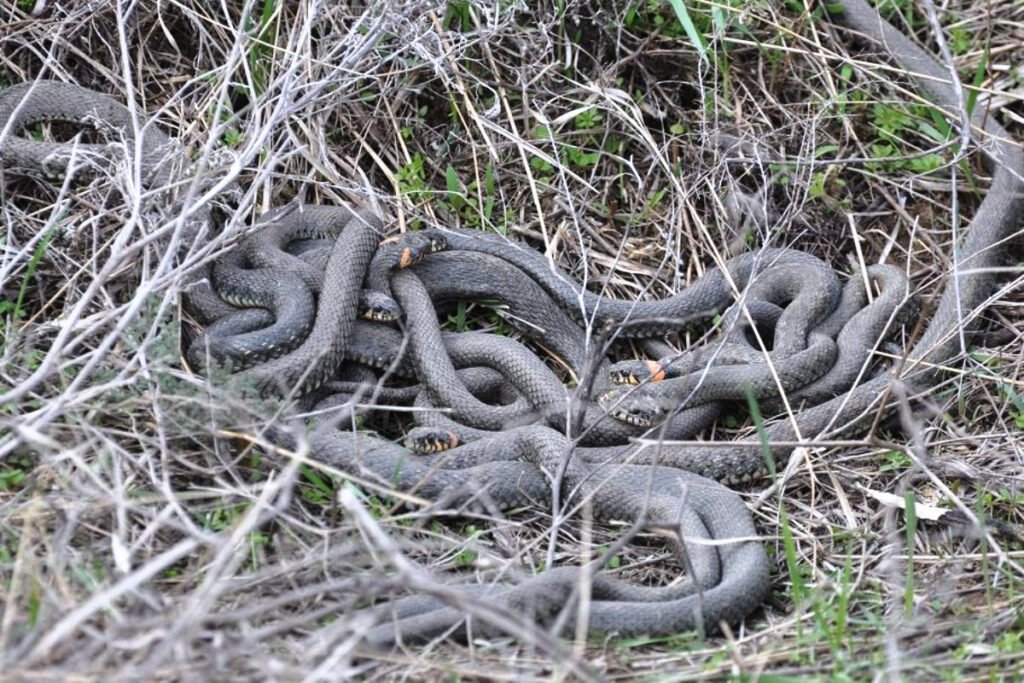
[706, 296]
[726, 583]
[666, 486]
[25, 104]
[997, 217]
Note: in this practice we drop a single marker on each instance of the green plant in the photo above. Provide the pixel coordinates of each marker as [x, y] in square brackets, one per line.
[893, 123]
[895, 461]
[321, 490]
[485, 318]
[588, 118]
[1010, 499]
[467, 556]
[910, 512]
[261, 52]
[223, 518]
[473, 202]
[412, 178]
[15, 308]
[651, 15]
[13, 473]
[457, 16]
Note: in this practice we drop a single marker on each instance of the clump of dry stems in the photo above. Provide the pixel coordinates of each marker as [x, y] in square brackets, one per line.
[145, 532]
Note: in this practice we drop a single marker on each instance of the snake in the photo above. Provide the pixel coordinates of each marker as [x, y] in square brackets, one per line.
[743, 582]
[861, 327]
[672, 487]
[704, 297]
[25, 104]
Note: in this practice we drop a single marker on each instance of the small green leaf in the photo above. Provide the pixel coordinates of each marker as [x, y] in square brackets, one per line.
[452, 180]
[825, 149]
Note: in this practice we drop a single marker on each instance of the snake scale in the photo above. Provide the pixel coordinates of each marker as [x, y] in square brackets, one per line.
[511, 431]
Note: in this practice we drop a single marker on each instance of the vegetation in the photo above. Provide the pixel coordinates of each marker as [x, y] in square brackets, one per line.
[148, 531]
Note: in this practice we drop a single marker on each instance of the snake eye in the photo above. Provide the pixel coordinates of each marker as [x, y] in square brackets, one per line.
[624, 377]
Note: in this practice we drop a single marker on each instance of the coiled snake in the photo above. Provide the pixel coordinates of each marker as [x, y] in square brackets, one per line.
[823, 342]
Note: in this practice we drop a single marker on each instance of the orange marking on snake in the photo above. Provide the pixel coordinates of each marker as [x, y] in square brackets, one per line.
[657, 372]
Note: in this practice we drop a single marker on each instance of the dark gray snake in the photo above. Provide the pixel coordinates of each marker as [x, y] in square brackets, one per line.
[666, 486]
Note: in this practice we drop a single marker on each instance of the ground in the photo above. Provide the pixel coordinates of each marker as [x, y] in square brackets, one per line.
[146, 533]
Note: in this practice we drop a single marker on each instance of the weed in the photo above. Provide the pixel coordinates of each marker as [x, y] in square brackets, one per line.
[412, 179]
[322, 489]
[895, 461]
[582, 128]
[13, 472]
[457, 16]
[16, 309]
[260, 56]
[910, 512]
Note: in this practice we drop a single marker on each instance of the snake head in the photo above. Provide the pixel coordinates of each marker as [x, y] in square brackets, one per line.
[430, 440]
[378, 307]
[413, 247]
[438, 242]
[634, 372]
[67, 159]
[632, 406]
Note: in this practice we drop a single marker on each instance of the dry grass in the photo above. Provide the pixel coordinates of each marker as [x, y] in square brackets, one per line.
[138, 539]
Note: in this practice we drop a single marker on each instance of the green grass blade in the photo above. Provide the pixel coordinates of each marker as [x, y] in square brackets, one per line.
[696, 39]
